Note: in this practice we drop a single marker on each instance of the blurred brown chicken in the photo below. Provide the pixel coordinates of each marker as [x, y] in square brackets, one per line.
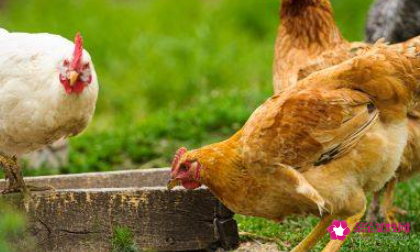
[316, 148]
[309, 40]
[396, 21]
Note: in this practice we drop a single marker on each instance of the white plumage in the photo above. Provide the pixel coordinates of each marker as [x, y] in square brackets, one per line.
[48, 91]
[35, 109]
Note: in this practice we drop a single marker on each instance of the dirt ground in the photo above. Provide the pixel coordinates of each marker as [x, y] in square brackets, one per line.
[256, 246]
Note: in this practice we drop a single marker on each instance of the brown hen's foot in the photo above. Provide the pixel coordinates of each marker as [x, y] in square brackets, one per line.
[335, 245]
[316, 234]
[390, 215]
[399, 211]
[388, 210]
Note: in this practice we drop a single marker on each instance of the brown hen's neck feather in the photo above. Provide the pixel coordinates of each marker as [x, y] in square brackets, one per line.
[220, 162]
[305, 22]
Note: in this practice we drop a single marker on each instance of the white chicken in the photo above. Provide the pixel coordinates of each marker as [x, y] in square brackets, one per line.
[48, 90]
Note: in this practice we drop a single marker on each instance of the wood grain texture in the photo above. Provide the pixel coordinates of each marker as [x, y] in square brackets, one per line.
[115, 179]
[83, 220]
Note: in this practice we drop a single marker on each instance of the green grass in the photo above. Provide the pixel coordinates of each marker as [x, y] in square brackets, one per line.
[293, 230]
[123, 240]
[12, 226]
[172, 73]
[181, 73]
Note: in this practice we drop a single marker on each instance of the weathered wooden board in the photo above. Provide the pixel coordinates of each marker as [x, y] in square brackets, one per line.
[83, 220]
[115, 179]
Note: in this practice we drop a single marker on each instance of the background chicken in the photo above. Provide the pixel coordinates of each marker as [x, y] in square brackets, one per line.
[316, 148]
[52, 156]
[308, 40]
[48, 90]
[318, 55]
[393, 20]
[397, 21]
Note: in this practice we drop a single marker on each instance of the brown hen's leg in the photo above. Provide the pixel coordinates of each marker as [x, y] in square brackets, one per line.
[387, 209]
[316, 234]
[15, 178]
[335, 245]
[372, 214]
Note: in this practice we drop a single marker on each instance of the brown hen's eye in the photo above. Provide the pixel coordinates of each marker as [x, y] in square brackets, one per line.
[370, 107]
[183, 168]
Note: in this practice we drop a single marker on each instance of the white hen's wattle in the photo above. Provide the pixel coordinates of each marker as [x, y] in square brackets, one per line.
[35, 110]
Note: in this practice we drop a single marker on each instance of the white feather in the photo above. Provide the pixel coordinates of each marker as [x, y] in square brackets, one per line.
[35, 110]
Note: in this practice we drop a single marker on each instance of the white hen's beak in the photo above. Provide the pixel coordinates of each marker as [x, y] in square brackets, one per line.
[73, 77]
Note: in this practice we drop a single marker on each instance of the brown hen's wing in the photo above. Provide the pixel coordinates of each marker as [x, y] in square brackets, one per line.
[305, 128]
[333, 57]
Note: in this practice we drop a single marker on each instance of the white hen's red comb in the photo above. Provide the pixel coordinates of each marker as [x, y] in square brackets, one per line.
[180, 152]
[78, 50]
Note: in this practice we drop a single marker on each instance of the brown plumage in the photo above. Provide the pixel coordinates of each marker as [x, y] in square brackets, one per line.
[410, 162]
[316, 148]
[309, 40]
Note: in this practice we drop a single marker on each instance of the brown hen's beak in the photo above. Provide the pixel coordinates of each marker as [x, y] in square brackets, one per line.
[172, 183]
[73, 77]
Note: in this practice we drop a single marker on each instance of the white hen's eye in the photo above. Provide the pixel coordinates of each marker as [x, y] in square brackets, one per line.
[64, 70]
[86, 75]
[84, 78]
[87, 72]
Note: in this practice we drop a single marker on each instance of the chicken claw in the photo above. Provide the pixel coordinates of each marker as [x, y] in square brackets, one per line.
[15, 178]
[335, 245]
[316, 234]
[389, 211]
[390, 215]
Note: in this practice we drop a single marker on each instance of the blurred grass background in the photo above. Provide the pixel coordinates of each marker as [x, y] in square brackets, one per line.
[172, 73]
[12, 230]
[180, 73]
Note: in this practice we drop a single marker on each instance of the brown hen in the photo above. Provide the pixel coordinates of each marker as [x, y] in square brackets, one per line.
[316, 148]
[309, 40]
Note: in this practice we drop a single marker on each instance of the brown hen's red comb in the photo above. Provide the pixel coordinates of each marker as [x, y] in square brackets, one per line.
[78, 50]
[180, 152]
